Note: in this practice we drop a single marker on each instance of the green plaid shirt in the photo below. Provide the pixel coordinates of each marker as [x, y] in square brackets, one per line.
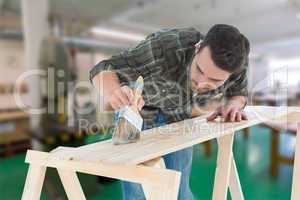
[164, 59]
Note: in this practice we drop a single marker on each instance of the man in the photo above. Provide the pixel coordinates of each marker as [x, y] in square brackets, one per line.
[182, 70]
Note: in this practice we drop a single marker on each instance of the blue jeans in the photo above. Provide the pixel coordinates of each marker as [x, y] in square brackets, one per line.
[179, 160]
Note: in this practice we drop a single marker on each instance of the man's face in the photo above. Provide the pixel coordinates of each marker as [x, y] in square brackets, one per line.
[204, 74]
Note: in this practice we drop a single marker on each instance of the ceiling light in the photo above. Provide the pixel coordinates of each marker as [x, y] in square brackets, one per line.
[117, 34]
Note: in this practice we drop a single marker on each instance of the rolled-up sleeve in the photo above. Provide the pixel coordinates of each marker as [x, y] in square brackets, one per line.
[117, 64]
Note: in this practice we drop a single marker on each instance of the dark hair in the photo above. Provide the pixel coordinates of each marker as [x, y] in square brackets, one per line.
[229, 48]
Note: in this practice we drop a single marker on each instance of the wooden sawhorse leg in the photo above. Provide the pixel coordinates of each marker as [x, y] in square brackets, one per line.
[226, 172]
[71, 184]
[157, 182]
[34, 182]
[234, 183]
[167, 189]
[296, 173]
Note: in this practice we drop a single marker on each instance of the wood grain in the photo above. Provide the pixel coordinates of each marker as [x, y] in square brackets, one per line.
[125, 162]
[170, 138]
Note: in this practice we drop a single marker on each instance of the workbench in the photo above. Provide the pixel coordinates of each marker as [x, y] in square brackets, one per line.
[141, 162]
[14, 137]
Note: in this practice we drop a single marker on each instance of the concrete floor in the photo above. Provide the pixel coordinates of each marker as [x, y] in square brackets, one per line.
[252, 158]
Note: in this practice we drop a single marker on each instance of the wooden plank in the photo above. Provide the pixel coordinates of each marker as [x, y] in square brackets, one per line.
[133, 173]
[170, 138]
[296, 173]
[158, 182]
[234, 181]
[14, 137]
[163, 189]
[34, 182]
[121, 162]
[223, 168]
[71, 184]
[13, 115]
[156, 162]
[291, 117]
[283, 125]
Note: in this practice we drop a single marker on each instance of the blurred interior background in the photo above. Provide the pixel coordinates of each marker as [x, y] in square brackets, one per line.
[75, 35]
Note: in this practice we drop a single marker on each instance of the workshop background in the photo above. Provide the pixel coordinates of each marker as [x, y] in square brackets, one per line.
[60, 40]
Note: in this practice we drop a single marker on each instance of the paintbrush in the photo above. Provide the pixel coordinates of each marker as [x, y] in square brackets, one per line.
[129, 121]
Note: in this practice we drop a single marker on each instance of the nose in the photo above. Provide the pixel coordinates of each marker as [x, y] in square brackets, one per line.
[205, 84]
[201, 81]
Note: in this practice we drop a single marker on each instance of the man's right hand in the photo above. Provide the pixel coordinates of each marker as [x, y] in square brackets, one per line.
[123, 97]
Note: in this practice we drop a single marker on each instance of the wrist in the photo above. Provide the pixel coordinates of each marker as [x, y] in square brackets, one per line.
[238, 101]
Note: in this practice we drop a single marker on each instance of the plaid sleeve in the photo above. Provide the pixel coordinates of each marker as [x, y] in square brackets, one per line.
[129, 64]
[158, 50]
[116, 64]
[238, 84]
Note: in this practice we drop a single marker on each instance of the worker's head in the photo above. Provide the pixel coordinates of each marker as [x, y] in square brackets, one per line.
[223, 51]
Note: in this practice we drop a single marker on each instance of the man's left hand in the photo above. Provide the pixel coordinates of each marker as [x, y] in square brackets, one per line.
[231, 112]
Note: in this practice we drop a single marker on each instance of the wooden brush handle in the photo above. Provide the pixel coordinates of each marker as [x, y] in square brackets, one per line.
[137, 92]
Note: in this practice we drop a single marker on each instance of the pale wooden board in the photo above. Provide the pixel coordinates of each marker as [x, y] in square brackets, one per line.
[160, 183]
[34, 182]
[170, 138]
[71, 184]
[13, 115]
[222, 174]
[296, 172]
[235, 187]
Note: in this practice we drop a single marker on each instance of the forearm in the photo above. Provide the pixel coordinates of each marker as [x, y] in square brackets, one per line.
[105, 83]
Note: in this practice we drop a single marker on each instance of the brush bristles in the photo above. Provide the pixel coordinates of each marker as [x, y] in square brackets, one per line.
[125, 132]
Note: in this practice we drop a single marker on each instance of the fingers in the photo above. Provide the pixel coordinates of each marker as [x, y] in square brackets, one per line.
[141, 103]
[124, 97]
[232, 114]
[224, 112]
[115, 104]
[128, 92]
[244, 116]
[120, 98]
[213, 116]
[239, 116]
[122, 101]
